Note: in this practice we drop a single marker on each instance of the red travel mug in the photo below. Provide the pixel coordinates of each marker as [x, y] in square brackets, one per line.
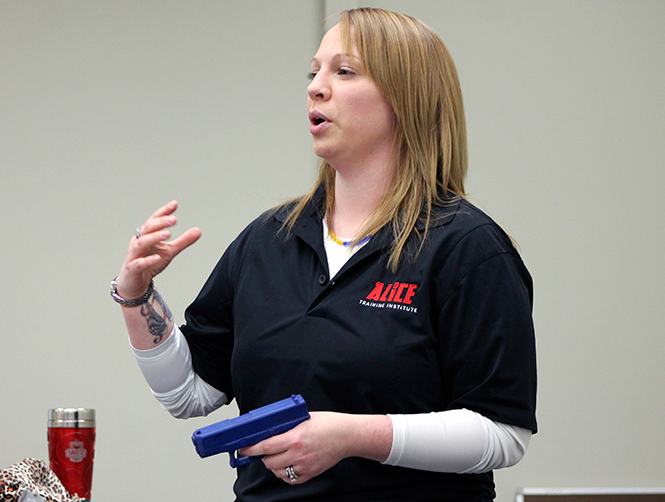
[71, 447]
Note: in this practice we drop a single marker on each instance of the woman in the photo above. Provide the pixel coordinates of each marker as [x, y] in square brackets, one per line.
[410, 337]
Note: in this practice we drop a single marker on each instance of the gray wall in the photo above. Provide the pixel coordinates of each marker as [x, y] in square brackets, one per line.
[110, 109]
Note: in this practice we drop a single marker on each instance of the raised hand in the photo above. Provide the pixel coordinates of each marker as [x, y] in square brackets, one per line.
[149, 253]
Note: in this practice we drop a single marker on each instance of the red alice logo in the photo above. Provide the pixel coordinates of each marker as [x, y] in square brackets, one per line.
[398, 292]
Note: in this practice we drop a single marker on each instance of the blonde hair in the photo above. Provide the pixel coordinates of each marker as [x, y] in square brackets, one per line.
[412, 67]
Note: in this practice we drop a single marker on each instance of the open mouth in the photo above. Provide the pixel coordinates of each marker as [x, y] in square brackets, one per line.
[317, 118]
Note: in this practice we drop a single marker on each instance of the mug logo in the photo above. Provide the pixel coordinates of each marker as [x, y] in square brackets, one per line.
[76, 451]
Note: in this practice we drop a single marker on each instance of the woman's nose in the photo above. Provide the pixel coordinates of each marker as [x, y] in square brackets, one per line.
[318, 89]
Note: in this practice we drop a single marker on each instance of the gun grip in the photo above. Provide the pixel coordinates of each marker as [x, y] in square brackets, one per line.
[242, 461]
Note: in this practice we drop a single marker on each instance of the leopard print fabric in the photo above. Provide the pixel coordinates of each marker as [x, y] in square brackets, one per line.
[33, 475]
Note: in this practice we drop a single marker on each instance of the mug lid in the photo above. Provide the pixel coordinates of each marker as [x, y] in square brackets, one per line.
[71, 417]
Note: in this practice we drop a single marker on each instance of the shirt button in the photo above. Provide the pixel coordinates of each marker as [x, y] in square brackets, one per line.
[322, 279]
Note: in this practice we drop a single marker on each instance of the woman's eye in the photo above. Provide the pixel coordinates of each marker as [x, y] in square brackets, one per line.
[344, 72]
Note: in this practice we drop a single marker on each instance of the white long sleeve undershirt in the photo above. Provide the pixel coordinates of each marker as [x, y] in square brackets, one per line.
[171, 377]
[460, 441]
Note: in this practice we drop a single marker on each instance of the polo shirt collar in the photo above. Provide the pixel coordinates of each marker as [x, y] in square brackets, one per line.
[309, 226]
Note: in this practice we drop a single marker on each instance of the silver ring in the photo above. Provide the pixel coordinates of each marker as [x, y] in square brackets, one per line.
[137, 233]
[291, 474]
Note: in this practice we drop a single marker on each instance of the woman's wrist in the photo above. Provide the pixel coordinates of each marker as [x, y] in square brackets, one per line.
[369, 436]
[131, 301]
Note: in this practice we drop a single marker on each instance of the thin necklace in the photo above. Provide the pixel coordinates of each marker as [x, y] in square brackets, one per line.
[339, 241]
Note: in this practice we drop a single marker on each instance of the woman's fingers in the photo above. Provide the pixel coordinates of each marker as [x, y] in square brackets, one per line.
[156, 224]
[155, 243]
[160, 219]
[149, 253]
[139, 266]
[279, 460]
[166, 209]
[145, 245]
[317, 444]
[185, 240]
[310, 448]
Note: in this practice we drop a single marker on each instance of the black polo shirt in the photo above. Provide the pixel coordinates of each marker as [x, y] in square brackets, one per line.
[449, 329]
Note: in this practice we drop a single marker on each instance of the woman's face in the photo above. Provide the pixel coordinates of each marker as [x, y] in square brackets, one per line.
[350, 119]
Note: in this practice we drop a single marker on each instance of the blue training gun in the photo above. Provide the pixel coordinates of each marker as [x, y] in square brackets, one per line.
[249, 429]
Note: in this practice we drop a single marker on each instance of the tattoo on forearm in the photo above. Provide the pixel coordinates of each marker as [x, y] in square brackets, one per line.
[157, 322]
